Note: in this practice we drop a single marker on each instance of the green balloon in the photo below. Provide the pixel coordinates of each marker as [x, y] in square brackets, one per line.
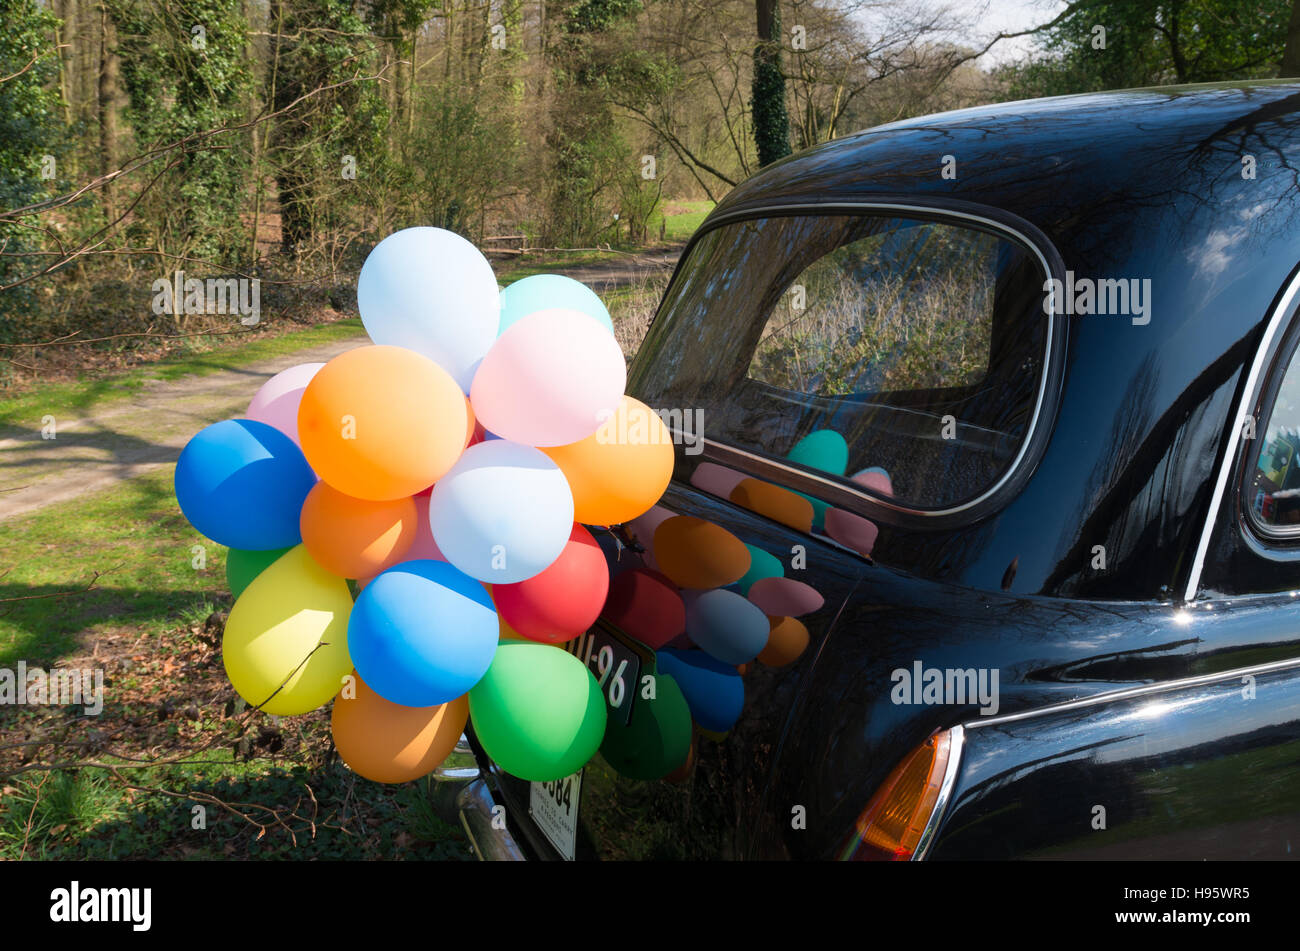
[657, 740]
[243, 566]
[538, 711]
[762, 564]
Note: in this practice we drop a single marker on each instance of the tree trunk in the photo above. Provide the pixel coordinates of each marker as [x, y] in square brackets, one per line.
[108, 86]
[771, 122]
[1291, 54]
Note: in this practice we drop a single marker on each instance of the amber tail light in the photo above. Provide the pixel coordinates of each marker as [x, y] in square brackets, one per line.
[890, 827]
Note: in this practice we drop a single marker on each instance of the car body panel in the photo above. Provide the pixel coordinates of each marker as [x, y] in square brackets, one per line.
[1139, 184]
[1202, 769]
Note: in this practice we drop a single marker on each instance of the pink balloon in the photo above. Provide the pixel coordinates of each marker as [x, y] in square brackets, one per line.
[876, 480]
[716, 480]
[785, 597]
[642, 528]
[550, 379]
[424, 547]
[276, 403]
[851, 530]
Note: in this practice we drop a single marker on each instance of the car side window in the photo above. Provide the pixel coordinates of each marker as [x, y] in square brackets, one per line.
[905, 309]
[1274, 486]
[903, 356]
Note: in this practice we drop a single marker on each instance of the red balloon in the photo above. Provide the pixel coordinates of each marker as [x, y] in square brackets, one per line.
[562, 601]
[646, 605]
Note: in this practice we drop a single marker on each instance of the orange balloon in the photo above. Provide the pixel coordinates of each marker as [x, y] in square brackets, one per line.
[356, 538]
[786, 641]
[697, 554]
[382, 422]
[471, 427]
[389, 743]
[778, 504]
[620, 470]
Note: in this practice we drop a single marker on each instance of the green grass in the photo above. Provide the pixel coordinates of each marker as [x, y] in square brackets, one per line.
[683, 221]
[89, 814]
[133, 531]
[204, 355]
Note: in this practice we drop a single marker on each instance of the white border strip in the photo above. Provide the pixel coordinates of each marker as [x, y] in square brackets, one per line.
[1234, 437]
[831, 208]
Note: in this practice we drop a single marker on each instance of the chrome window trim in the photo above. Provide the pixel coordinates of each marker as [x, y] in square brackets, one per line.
[1281, 312]
[927, 212]
[957, 744]
[1142, 690]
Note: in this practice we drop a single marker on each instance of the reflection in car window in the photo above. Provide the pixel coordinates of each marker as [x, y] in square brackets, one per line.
[1275, 488]
[921, 343]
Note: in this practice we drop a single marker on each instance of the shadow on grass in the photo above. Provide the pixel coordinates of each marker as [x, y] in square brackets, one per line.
[45, 628]
[295, 814]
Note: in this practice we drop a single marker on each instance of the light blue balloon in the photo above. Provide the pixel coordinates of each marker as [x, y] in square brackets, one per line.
[422, 633]
[503, 513]
[242, 483]
[727, 626]
[713, 690]
[548, 292]
[433, 292]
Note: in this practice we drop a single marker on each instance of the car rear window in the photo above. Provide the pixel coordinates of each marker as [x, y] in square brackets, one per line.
[921, 342]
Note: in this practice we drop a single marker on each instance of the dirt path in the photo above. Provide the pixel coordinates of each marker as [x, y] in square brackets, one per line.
[626, 269]
[129, 437]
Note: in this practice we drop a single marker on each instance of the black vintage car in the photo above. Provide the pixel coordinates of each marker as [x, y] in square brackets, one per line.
[1055, 582]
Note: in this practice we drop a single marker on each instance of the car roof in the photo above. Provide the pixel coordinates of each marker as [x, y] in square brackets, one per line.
[1194, 188]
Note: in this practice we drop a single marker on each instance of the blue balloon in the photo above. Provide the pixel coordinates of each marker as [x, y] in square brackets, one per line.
[727, 625]
[548, 292]
[713, 690]
[242, 483]
[422, 633]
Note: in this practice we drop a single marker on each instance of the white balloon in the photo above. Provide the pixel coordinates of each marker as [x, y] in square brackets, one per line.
[503, 513]
[431, 291]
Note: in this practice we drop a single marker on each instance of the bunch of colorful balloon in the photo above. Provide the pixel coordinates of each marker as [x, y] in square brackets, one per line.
[448, 471]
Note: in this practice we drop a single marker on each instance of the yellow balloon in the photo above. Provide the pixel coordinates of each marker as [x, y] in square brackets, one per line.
[286, 640]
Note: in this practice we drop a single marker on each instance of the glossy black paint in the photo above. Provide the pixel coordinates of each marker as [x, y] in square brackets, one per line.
[1143, 184]
[1192, 772]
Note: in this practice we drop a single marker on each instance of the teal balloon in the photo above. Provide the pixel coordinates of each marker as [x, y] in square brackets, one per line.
[827, 451]
[824, 449]
[713, 690]
[550, 292]
[762, 564]
[657, 738]
[243, 566]
[820, 509]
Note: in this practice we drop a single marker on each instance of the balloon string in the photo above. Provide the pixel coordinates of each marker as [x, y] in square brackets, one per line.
[293, 673]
